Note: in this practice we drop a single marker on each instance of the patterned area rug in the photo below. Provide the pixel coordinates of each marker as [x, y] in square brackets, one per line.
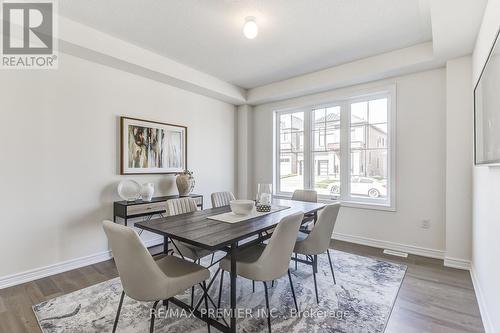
[361, 301]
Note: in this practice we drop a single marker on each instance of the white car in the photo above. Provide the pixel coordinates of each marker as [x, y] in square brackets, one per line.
[365, 186]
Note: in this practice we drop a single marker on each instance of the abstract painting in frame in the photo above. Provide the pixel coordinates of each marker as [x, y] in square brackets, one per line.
[150, 147]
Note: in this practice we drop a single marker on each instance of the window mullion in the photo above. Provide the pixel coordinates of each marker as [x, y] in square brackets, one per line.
[277, 157]
[345, 147]
[307, 149]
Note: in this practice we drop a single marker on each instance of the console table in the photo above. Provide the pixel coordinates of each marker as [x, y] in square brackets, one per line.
[139, 208]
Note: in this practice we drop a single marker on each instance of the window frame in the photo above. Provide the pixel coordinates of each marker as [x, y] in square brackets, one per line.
[344, 102]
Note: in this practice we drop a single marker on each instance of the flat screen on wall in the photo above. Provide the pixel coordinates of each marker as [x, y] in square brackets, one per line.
[487, 110]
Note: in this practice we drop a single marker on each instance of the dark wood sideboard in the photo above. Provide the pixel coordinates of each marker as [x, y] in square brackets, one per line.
[139, 208]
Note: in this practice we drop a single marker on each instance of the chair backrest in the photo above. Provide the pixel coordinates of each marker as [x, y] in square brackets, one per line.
[140, 276]
[274, 261]
[305, 195]
[181, 206]
[318, 240]
[220, 199]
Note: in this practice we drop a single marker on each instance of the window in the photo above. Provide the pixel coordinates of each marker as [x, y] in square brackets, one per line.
[326, 148]
[343, 150]
[291, 151]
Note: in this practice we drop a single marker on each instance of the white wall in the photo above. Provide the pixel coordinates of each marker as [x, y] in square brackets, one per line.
[421, 151]
[486, 199]
[459, 160]
[244, 152]
[59, 164]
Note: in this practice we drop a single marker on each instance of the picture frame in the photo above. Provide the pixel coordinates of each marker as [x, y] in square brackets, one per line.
[152, 147]
[487, 109]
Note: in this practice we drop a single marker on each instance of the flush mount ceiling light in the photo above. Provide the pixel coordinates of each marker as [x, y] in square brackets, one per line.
[250, 28]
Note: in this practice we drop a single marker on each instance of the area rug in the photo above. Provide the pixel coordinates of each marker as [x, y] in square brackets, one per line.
[361, 301]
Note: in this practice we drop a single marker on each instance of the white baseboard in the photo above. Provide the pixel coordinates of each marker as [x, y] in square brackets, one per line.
[420, 251]
[38, 273]
[488, 326]
[457, 263]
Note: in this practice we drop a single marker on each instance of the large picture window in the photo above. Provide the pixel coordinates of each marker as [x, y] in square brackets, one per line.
[343, 150]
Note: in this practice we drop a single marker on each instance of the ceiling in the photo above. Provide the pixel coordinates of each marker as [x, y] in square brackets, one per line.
[295, 36]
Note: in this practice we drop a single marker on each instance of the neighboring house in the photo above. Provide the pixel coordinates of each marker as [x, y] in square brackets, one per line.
[292, 146]
[368, 147]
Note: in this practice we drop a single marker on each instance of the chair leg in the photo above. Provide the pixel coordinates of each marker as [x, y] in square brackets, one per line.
[296, 261]
[272, 284]
[267, 307]
[315, 262]
[220, 288]
[212, 260]
[331, 266]
[205, 291]
[152, 325]
[198, 261]
[253, 286]
[118, 312]
[293, 291]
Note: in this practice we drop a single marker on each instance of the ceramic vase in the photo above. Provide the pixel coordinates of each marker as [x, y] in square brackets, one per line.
[185, 184]
[147, 191]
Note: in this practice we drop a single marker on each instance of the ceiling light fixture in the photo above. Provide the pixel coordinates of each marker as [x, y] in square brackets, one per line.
[250, 28]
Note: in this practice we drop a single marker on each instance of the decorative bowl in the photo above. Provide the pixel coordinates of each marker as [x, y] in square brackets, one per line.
[242, 207]
[129, 190]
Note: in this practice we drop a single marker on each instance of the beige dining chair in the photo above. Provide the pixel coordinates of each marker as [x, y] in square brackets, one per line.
[181, 206]
[265, 263]
[184, 206]
[318, 241]
[220, 199]
[145, 279]
[305, 195]
[309, 219]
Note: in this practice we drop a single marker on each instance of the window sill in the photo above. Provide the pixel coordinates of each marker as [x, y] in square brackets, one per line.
[366, 205]
[345, 203]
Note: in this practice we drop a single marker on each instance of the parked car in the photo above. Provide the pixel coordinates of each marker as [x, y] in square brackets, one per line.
[365, 186]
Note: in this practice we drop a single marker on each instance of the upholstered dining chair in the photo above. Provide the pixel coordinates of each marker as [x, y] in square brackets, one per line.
[220, 199]
[318, 241]
[308, 196]
[145, 279]
[183, 206]
[305, 195]
[309, 219]
[265, 263]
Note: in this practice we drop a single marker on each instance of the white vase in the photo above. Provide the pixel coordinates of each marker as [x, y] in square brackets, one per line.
[185, 184]
[147, 191]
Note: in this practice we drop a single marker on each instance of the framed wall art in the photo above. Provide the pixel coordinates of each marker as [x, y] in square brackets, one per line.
[151, 147]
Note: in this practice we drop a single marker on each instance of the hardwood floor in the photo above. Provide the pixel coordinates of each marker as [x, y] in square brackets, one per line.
[432, 298]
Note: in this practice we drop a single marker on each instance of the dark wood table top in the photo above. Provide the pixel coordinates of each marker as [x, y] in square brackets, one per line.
[196, 229]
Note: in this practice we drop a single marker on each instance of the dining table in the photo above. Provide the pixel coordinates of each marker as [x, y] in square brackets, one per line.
[198, 229]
